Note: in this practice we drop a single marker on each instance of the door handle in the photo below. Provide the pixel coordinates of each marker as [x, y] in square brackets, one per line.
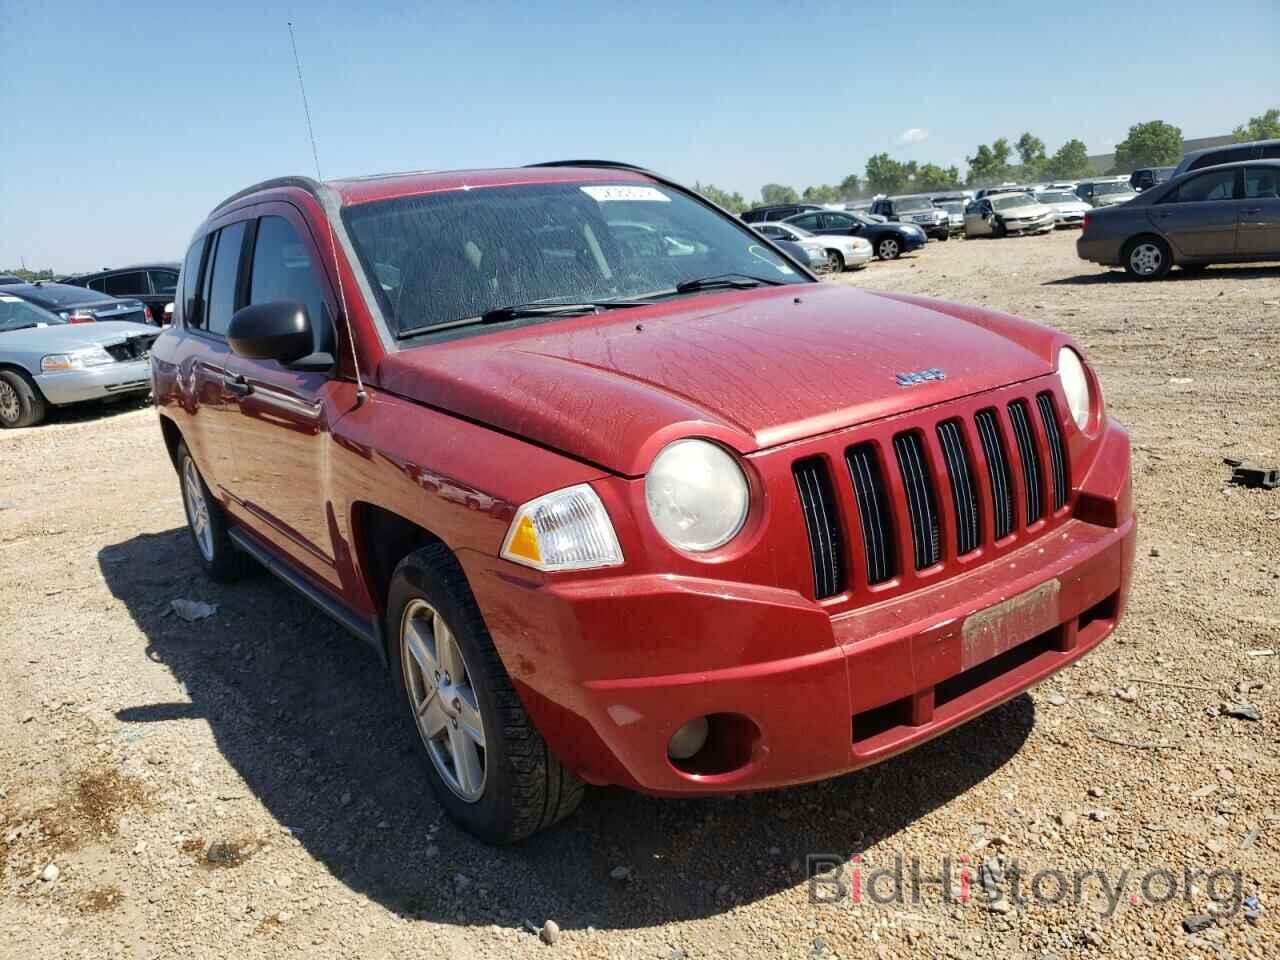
[236, 385]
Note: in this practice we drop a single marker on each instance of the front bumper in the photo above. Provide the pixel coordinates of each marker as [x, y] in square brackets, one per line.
[611, 667]
[95, 383]
[1070, 219]
[1034, 226]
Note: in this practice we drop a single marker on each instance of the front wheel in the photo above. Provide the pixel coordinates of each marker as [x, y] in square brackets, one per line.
[889, 248]
[1147, 258]
[21, 402]
[486, 763]
[835, 262]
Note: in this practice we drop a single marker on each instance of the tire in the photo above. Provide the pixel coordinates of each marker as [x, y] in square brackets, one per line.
[207, 524]
[435, 629]
[888, 248]
[1147, 258]
[998, 230]
[835, 262]
[944, 237]
[21, 402]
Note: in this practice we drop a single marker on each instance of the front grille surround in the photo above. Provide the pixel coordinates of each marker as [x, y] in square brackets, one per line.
[935, 492]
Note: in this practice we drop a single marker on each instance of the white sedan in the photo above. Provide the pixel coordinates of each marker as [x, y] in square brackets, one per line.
[843, 253]
[1068, 209]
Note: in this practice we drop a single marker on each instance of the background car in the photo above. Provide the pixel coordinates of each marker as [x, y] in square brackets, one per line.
[992, 191]
[1007, 213]
[7, 278]
[917, 209]
[46, 361]
[840, 253]
[779, 211]
[1105, 192]
[152, 283]
[1231, 153]
[78, 305]
[1148, 177]
[1226, 214]
[1068, 209]
[888, 240]
[953, 205]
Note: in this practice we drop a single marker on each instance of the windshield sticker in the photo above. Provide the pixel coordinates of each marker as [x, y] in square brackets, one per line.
[610, 194]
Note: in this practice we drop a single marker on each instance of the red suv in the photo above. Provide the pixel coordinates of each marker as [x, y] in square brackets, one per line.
[623, 494]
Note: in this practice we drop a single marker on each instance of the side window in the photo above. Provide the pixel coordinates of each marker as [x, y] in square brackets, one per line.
[282, 270]
[164, 282]
[1215, 158]
[97, 283]
[1262, 183]
[190, 305]
[807, 222]
[125, 284]
[223, 279]
[1270, 152]
[1214, 185]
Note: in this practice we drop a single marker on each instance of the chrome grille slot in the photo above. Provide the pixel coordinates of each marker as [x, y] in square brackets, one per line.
[964, 489]
[997, 472]
[821, 520]
[1030, 458]
[922, 505]
[873, 512]
[1057, 449]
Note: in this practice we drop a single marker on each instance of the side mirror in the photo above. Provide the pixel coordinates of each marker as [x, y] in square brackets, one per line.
[280, 330]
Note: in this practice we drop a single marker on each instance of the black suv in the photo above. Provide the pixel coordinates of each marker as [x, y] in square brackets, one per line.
[152, 283]
[779, 211]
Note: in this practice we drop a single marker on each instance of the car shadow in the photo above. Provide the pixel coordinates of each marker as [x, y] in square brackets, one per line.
[303, 713]
[1177, 275]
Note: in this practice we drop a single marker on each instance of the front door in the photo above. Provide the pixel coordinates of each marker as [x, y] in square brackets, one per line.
[977, 218]
[1259, 223]
[282, 431]
[1199, 218]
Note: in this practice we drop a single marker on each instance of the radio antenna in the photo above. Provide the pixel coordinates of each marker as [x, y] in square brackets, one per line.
[361, 396]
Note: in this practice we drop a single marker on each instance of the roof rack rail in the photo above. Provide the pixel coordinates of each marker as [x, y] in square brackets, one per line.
[615, 164]
[303, 183]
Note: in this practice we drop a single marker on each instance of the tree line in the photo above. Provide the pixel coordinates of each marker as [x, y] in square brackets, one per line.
[1153, 143]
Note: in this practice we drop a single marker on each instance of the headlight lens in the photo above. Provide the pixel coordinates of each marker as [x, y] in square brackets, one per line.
[94, 356]
[697, 495]
[1075, 384]
[566, 530]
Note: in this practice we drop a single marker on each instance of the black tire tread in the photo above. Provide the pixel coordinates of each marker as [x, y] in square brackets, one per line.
[541, 790]
[229, 563]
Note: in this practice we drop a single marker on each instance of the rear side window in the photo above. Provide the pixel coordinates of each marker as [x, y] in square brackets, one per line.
[223, 279]
[97, 283]
[190, 305]
[1215, 185]
[282, 270]
[164, 282]
[125, 284]
[807, 222]
[1220, 156]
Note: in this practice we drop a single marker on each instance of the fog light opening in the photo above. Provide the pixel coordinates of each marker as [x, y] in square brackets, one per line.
[718, 743]
[688, 740]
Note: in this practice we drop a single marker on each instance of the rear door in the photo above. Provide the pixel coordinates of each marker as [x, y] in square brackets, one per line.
[1199, 218]
[282, 427]
[1258, 233]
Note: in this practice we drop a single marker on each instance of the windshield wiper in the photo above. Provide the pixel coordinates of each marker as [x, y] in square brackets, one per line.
[517, 311]
[735, 281]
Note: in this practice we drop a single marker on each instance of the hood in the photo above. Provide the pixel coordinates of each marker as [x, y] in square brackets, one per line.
[751, 369]
[1032, 209]
[60, 338]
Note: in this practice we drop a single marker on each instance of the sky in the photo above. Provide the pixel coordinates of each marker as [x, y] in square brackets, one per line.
[124, 124]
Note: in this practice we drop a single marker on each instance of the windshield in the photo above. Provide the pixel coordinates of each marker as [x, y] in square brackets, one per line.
[17, 314]
[913, 203]
[1009, 201]
[1057, 196]
[951, 206]
[438, 258]
[1114, 186]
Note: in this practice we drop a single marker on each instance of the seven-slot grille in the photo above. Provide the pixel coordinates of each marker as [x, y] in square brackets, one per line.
[879, 518]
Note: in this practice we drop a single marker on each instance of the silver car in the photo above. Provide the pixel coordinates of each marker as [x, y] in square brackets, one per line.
[1005, 214]
[1068, 209]
[46, 361]
[1226, 214]
[1106, 192]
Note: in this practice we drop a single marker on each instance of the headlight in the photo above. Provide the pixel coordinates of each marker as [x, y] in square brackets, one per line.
[1075, 384]
[94, 356]
[697, 495]
[566, 530]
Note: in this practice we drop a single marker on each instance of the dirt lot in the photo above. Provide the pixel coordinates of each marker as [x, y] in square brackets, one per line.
[240, 785]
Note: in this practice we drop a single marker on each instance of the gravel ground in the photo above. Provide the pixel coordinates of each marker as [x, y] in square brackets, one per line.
[240, 785]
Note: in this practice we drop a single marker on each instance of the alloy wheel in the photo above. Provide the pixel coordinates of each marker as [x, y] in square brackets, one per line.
[888, 248]
[834, 263]
[10, 407]
[197, 508]
[443, 700]
[1146, 259]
